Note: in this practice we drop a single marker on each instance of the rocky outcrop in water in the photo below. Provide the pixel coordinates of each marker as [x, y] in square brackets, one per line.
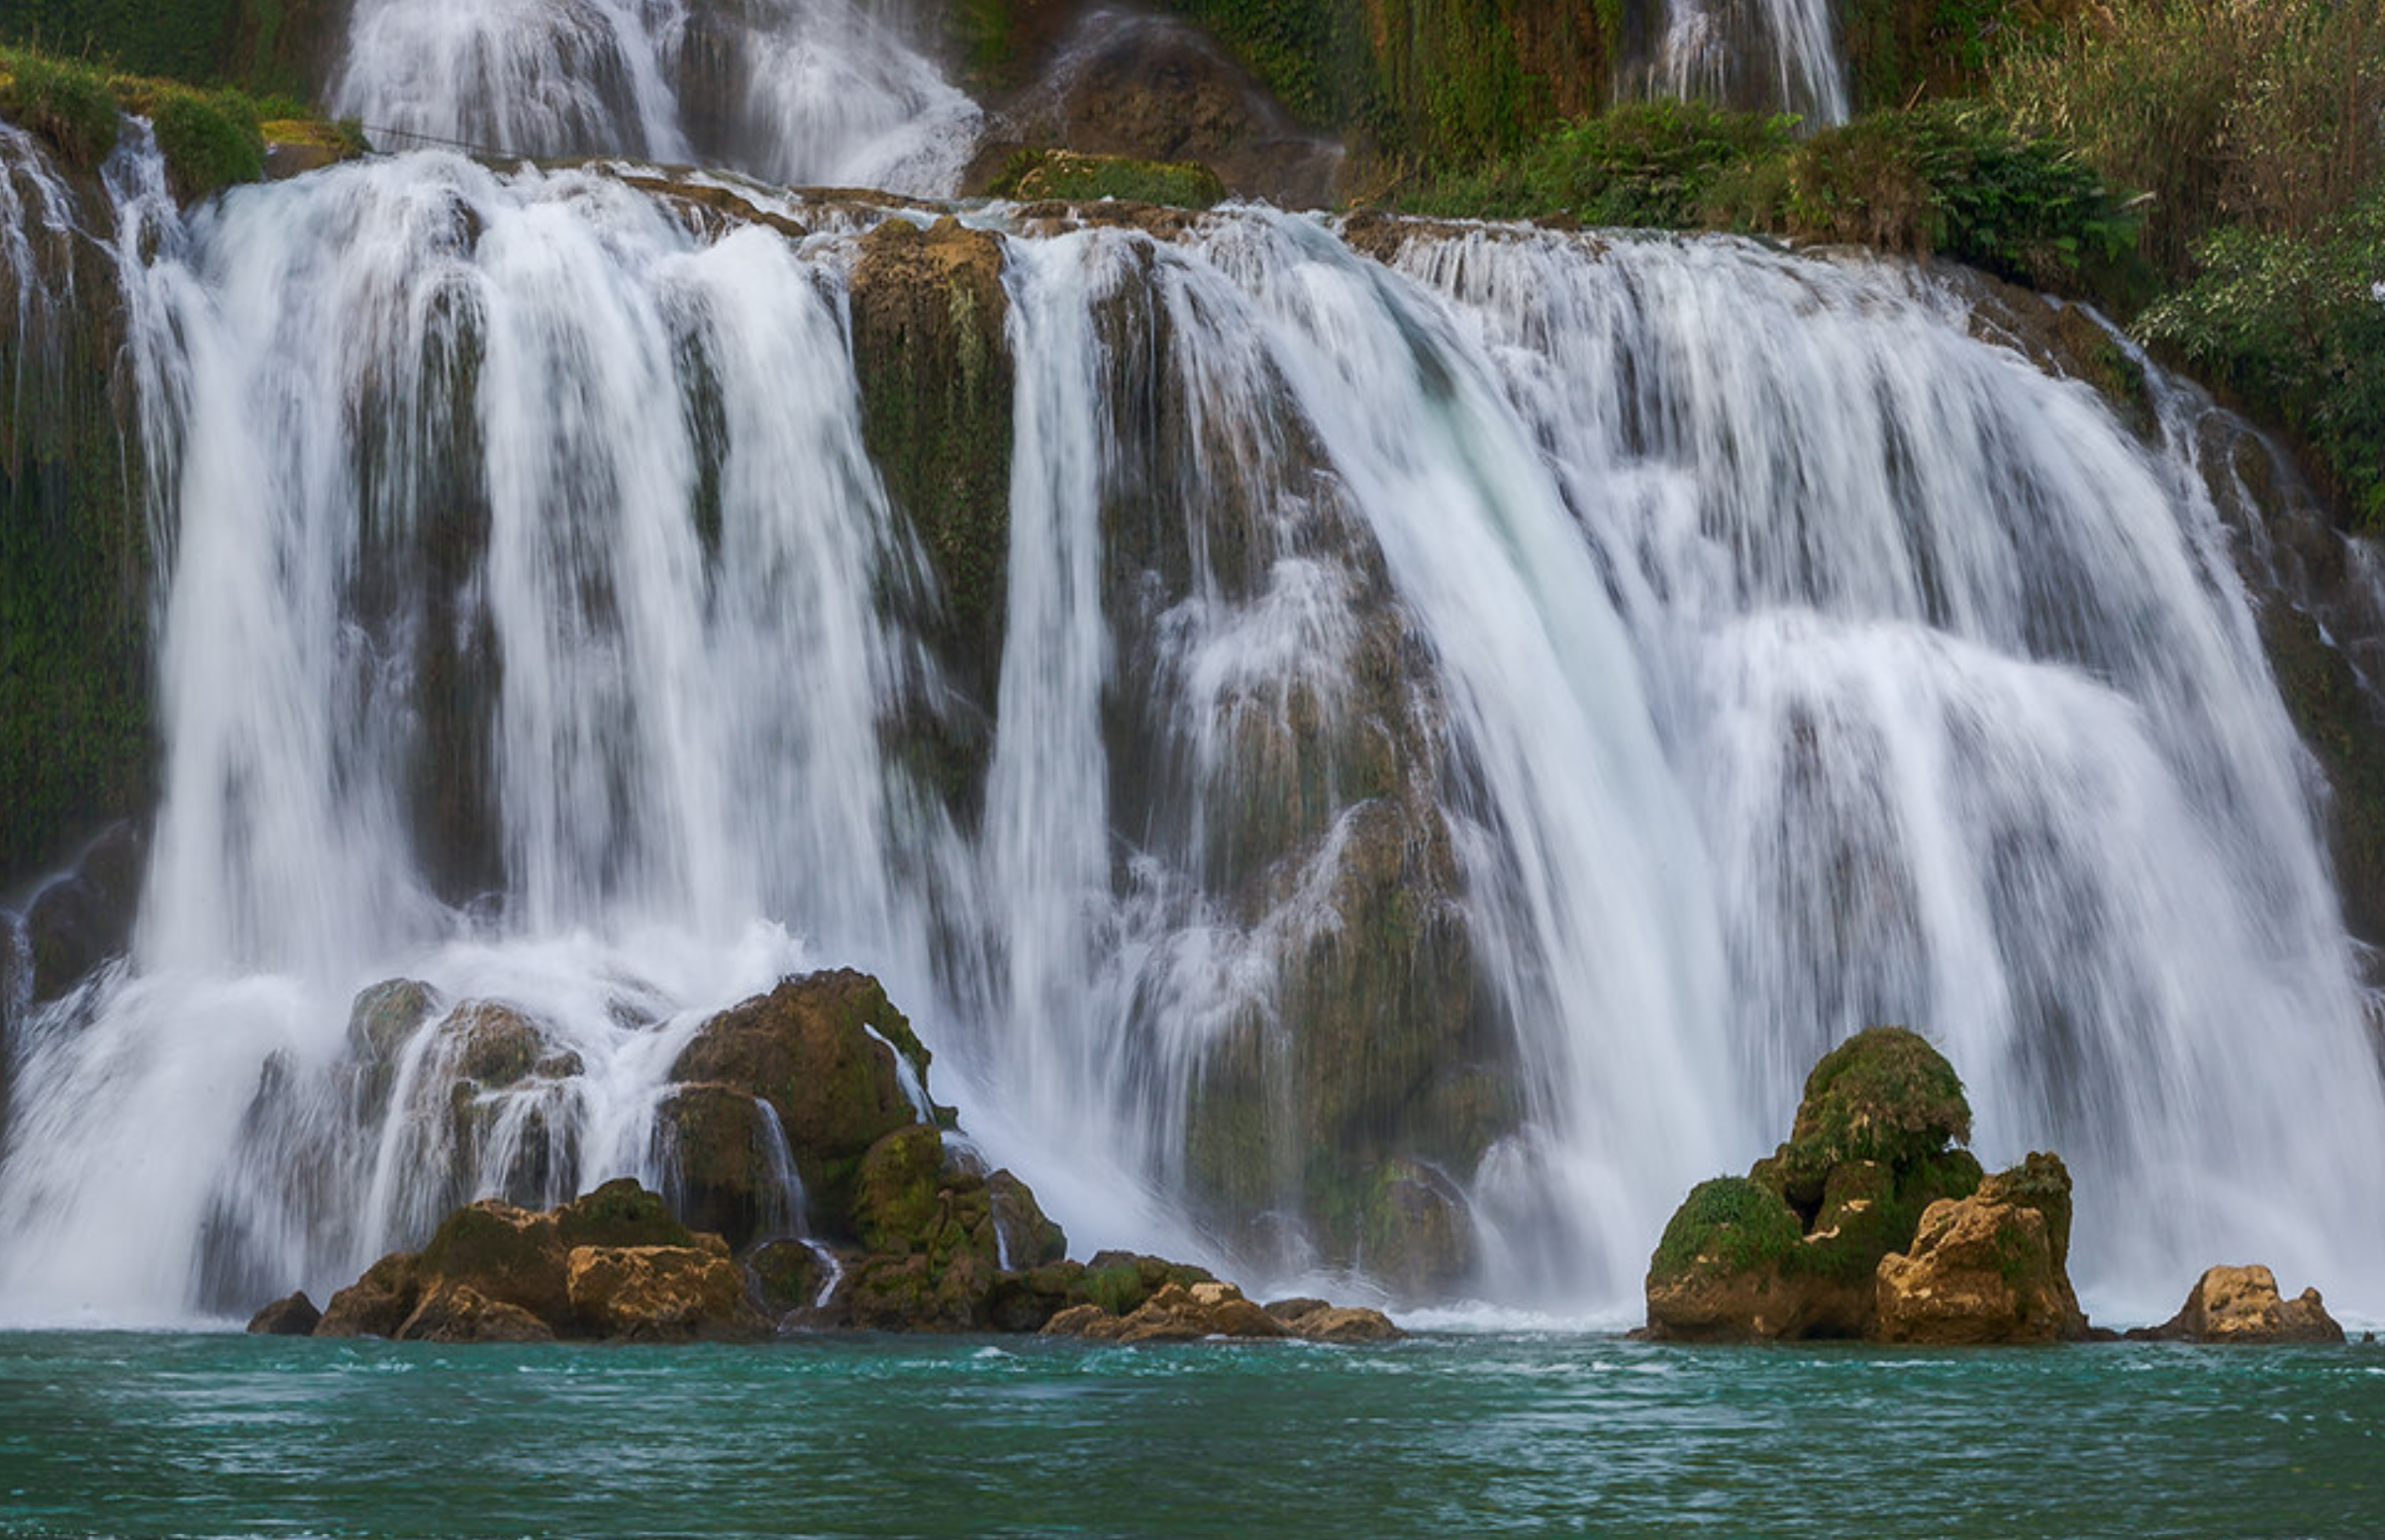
[819, 1053]
[1192, 1312]
[612, 1265]
[1790, 1250]
[1991, 1268]
[2243, 1305]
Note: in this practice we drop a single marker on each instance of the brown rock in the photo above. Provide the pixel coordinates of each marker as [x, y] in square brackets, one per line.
[659, 1294]
[1347, 1324]
[376, 1304]
[1090, 1323]
[1985, 1269]
[450, 1312]
[295, 1316]
[2241, 1304]
[807, 1049]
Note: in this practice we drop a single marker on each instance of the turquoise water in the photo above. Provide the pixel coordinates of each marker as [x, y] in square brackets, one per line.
[222, 1435]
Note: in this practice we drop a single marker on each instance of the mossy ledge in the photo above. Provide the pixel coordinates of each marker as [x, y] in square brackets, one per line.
[211, 137]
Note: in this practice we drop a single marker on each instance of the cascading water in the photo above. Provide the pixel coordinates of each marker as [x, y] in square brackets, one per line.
[1760, 55]
[822, 92]
[1691, 651]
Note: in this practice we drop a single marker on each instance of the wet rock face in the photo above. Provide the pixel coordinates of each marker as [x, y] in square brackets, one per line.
[821, 1051]
[1990, 1268]
[2243, 1305]
[932, 349]
[86, 918]
[295, 1316]
[1152, 88]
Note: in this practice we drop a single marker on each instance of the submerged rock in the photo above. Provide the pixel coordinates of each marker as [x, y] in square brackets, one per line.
[1181, 1313]
[2243, 1305]
[1990, 1268]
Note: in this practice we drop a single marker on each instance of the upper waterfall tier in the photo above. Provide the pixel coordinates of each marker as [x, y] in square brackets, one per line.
[1389, 752]
[815, 92]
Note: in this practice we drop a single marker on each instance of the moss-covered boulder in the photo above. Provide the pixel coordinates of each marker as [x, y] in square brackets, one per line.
[1793, 1249]
[720, 1170]
[950, 1247]
[822, 1052]
[1416, 1237]
[1883, 1095]
[1726, 1269]
[1987, 1269]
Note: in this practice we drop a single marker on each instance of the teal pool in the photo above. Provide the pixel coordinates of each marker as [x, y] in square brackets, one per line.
[122, 1434]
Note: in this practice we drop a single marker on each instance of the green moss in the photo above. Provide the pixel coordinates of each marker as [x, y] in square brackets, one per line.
[619, 1213]
[1730, 1225]
[1884, 1096]
[1654, 164]
[895, 1202]
[1034, 174]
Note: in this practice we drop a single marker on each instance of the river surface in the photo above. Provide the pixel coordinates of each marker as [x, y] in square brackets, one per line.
[136, 1434]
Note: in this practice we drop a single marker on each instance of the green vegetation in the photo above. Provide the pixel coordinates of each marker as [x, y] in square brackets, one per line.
[1952, 178]
[1060, 173]
[70, 105]
[261, 45]
[2257, 131]
[1731, 1224]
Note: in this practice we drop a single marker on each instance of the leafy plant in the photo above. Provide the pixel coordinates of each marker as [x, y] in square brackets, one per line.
[2295, 325]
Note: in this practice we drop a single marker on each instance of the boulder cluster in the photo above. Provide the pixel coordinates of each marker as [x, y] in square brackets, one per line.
[901, 1228]
[1870, 1223]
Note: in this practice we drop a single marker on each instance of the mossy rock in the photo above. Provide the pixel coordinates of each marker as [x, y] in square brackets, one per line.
[817, 1050]
[1884, 1095]
[788, 1275]
[932, 352]
[2040, 1181]
[896, 1200]
[1035, 175]
[1416, 1237]
[1728, 1226]
[385, 1017]
[720, 1175]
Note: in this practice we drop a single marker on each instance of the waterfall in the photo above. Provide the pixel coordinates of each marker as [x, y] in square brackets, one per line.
[1779, 55]
[1491, 700]
[826, 92]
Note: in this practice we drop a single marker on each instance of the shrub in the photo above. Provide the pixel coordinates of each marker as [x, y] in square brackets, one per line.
[67, 104]
[1651, 165]
[1953, 177]
[2295, 324]
[210, 143]
[2256, 111]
